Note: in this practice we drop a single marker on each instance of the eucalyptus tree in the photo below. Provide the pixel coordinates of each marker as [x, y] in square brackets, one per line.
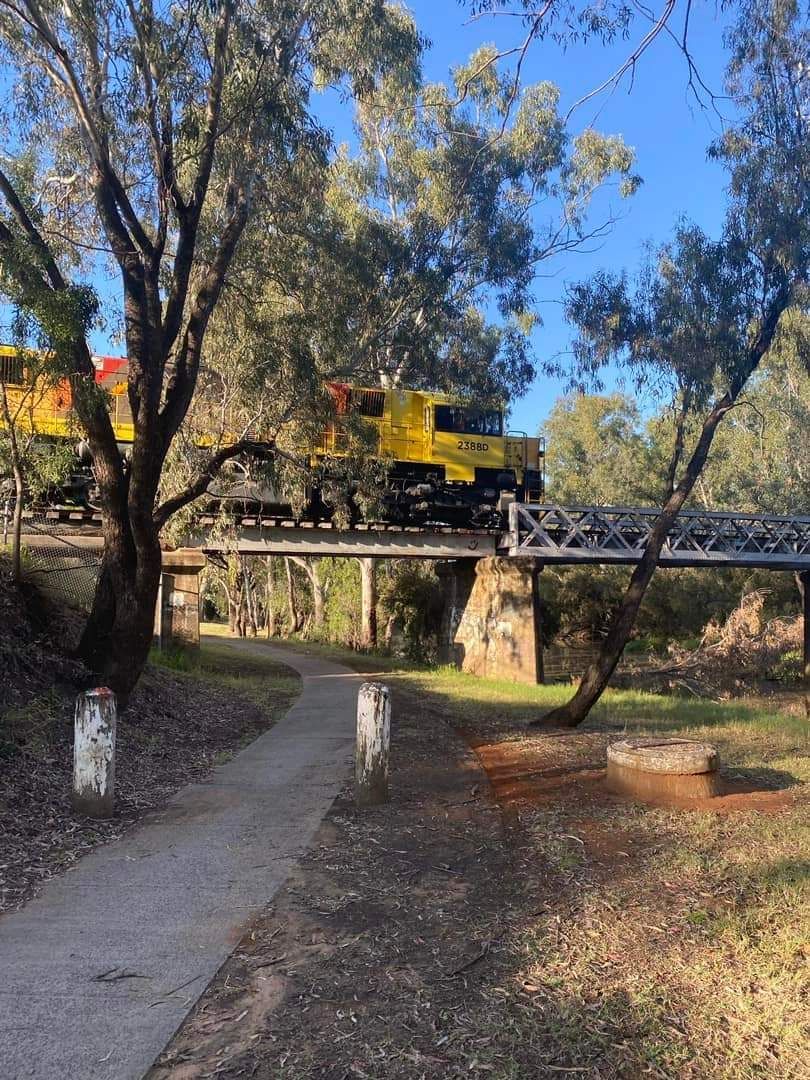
[29, 466]
[409, 262]
[756, 463]
[145, 137]
[704, 314]
[597, 451]
[412, 259]
[451, 202]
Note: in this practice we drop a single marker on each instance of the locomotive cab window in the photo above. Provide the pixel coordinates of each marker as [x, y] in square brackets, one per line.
[464, 421]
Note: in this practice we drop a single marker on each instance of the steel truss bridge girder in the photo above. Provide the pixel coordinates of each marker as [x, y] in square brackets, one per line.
[254, 537]
[613, 534]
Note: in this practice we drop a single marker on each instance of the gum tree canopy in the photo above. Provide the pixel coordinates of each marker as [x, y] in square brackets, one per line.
[174, 146]
[143, 137]
[703, 315]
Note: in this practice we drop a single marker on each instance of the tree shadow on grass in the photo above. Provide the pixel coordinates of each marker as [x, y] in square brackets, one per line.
[759, 778]
[783, 874]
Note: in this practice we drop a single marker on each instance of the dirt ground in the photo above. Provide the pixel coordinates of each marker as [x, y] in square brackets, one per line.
[503, 916]
[178, 726]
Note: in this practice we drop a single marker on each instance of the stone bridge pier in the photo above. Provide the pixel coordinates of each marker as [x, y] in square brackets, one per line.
[177, 613]
[492, 617]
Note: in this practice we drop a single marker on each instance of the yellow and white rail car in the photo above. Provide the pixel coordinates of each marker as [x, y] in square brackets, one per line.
[443, 460]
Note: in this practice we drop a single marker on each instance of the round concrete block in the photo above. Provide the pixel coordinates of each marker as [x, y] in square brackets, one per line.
[662, 768]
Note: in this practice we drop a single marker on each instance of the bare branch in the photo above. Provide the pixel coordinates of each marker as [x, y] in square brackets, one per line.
[32, 233]
[629, 63]
[199, 485]
[190, 215]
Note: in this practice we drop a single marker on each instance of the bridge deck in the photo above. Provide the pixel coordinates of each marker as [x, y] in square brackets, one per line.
[548, 533]
[269, 536]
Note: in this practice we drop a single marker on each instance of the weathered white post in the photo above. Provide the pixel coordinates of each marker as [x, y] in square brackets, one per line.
[373, 745]
[94, 753]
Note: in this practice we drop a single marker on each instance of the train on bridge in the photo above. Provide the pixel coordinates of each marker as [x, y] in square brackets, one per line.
[443, 460]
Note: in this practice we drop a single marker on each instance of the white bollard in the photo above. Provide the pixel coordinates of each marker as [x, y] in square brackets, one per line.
[373, 745]
[94, 753]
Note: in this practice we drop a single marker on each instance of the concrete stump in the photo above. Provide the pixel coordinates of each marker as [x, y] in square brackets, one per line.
[94, 753]
[373, 745]
[661, 768]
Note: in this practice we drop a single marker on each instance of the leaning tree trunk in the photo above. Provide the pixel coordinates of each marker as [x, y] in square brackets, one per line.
[368, 601]
[598, 674]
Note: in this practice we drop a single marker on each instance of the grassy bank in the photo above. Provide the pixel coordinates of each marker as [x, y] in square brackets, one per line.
[272, 687]
[615, 940]
[752, 735]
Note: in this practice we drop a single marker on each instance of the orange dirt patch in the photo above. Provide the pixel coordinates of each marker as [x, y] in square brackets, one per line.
[544, 769]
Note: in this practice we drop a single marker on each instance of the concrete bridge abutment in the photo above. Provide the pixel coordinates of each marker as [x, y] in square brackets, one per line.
[492, 618]
[177, 613]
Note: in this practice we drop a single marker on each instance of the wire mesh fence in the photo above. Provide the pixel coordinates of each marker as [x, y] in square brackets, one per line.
[55, 558]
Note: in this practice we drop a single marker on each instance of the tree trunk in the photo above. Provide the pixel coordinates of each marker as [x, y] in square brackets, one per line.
[292, 601]
[368, 600]
[598, 674]
[231, 611]
[16, 527]
[19, 488]
[803, 583]
[271, 620]
[310, 568]
[247, 587]
[118, 633]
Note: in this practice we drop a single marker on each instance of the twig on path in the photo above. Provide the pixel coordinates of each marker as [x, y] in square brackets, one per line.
[176, 990]
[108, 977]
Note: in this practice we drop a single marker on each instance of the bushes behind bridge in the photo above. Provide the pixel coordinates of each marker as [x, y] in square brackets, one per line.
[578, 602]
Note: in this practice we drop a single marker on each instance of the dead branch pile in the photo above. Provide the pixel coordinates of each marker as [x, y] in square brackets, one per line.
[746, 642]
[745, 648]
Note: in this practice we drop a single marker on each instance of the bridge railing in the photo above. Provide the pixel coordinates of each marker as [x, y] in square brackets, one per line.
[616, 534]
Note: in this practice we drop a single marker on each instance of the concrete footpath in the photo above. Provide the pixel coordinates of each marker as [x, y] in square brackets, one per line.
[97, 973]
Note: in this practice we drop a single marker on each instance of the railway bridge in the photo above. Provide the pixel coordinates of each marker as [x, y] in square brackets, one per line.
[492, 612]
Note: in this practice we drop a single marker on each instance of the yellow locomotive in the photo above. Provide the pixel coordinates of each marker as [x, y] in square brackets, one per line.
[444, 461]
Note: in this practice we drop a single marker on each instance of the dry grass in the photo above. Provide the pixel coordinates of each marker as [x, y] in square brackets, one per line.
[682, 949]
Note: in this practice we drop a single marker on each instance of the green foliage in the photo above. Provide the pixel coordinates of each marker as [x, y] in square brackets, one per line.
[408, 261]
[701, 314]
[341, 578]
[756, 462]
[597, 453]
[600, 451]
[412, 602]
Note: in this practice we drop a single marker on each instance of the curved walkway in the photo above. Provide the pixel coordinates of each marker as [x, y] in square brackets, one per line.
[98, 972]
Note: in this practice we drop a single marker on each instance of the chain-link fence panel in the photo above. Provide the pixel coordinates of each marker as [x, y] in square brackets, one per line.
[59, 557]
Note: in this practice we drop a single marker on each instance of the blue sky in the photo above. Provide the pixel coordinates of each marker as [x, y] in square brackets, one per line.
[658, 117]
